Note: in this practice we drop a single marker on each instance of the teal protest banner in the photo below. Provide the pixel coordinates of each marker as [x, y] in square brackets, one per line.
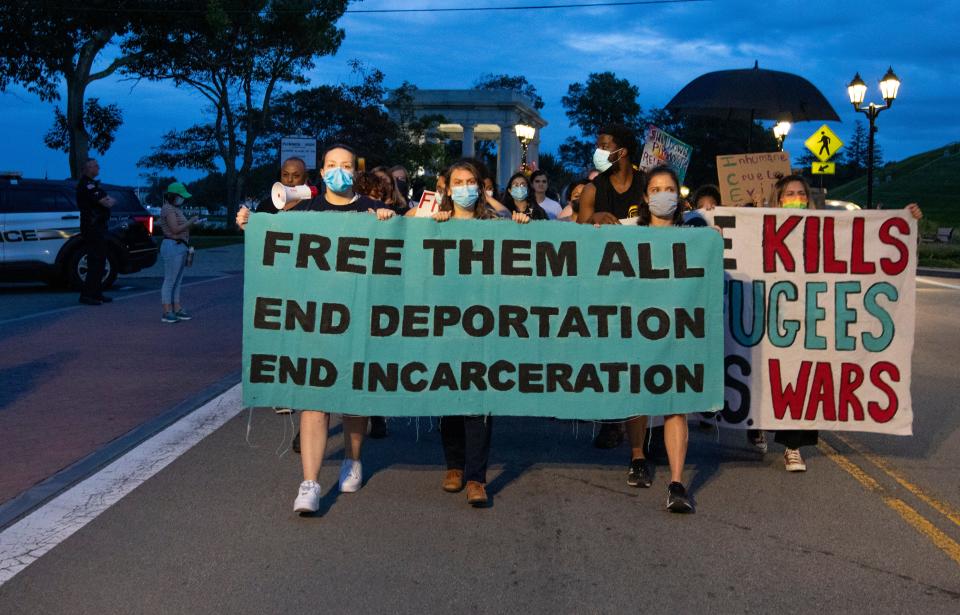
[411, 317]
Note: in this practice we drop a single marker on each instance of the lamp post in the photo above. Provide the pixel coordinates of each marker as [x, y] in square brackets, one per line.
[525, 134]
[857, 90]
[780, 131]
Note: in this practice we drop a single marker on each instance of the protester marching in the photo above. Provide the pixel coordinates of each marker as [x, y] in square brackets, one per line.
[448, 329]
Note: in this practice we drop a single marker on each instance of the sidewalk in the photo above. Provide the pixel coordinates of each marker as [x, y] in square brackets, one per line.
[211, 262]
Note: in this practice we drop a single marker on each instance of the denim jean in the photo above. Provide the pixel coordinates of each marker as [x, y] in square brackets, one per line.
[174, 257]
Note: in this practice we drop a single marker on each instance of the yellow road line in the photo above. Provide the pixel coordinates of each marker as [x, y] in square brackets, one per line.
[941, 507]
[853, 469]
[920, 523]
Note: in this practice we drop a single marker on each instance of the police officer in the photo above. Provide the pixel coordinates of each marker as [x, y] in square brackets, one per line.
[94, 206]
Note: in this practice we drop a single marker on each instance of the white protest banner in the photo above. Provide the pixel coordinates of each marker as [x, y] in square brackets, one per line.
[304, 148]
[819, 319]
[429, 204]
[749, 178]
[662, 149]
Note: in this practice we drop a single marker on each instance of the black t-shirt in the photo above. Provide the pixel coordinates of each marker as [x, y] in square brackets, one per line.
[94, 217]
[622, 205]
[360, 204]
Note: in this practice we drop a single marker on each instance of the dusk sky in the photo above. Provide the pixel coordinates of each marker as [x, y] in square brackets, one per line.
[659, 48]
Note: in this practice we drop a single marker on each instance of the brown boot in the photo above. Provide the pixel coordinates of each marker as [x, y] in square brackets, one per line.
[453, 481]
[476, 494]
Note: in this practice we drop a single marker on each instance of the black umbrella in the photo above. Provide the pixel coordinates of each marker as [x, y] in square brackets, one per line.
[753, 94]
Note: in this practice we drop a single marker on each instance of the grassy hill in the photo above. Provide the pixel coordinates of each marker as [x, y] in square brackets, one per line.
[931, 179]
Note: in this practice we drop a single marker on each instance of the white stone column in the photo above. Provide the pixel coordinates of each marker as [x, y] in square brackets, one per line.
[509, 154]
[468, 145]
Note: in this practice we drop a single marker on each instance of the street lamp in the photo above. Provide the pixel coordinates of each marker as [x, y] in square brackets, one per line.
[525, 134]
[857, 90]
[780, 131]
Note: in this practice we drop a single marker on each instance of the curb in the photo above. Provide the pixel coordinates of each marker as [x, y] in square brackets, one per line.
[41, 493]
[936, 272]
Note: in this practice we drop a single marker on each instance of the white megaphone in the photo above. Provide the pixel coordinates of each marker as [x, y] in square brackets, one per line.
[287, 196]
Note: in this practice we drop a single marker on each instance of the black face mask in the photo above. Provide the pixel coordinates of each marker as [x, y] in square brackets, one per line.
[404, 188]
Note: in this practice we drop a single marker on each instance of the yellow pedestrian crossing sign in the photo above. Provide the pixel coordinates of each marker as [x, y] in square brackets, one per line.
[824, 168]
[824, 143]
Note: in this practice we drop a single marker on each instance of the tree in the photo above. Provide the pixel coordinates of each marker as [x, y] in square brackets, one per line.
[602, 99]
[855, 153]
[557, 172]
[576, 155]
[236, 54]
[100, 122]
[42, 48]
[156, 186]
[517, 83]
[356, 114]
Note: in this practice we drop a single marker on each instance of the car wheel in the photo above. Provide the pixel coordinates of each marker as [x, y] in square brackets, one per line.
[77, 269]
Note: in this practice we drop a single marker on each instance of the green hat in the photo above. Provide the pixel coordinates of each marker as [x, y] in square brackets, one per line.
[179, 189]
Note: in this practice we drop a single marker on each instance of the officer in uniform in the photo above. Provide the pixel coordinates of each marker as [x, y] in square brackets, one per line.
[94, 204]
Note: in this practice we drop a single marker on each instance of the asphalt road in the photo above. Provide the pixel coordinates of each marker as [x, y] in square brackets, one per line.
[74, 378]
[873, 526]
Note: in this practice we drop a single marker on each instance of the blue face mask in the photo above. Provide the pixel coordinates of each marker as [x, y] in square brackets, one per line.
[519, 192]
[337, 179]
[465, 196]
[663, 204]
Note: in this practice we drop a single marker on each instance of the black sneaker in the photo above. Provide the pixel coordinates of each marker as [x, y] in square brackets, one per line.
[378, 427]
[639, 474]
[609, 436]
[295, 445]
[104, 299]
[90, 300]
[677, 500]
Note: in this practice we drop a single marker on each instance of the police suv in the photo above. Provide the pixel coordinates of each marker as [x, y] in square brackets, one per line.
[40, 232]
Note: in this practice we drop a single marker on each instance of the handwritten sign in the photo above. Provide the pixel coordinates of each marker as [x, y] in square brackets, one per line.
[820, 310]
[661, 148]
[749, 178]
[304, 148]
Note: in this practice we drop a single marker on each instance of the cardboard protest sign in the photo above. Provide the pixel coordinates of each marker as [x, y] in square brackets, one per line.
[662, 149]
[304, 148]
[749, 178]
[411, 317]
[819, 311]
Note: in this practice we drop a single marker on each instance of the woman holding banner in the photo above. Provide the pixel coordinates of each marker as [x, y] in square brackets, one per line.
[339, 164]
[466, 439]
[661, 209]
[793, 192]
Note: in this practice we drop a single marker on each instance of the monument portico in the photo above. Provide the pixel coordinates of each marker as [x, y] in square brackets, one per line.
[472, 115]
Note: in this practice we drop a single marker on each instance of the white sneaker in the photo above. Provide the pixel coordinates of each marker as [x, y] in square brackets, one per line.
[793, 461]
[308, 498]
[351, 476]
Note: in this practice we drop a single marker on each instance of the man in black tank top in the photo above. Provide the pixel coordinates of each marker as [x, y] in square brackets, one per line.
[618, 191]
[614, 194]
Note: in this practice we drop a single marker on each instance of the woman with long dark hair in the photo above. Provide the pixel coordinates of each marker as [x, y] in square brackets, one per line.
[661, 209]
[518, 197]
[466, 438]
